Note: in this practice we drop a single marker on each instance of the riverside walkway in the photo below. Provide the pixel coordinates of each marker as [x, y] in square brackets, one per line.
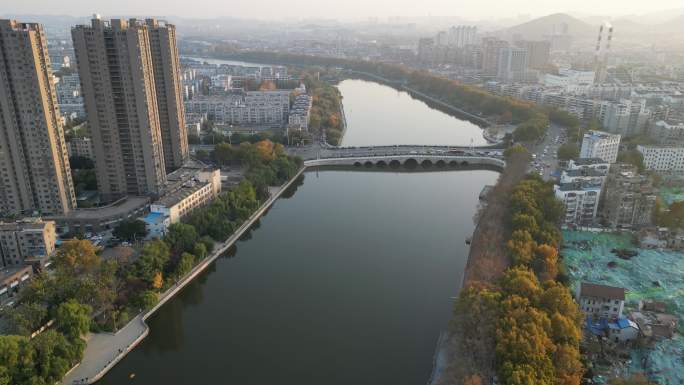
[105, 350]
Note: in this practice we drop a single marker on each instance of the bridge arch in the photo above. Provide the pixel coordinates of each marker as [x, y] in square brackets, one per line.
[381, 163]
[464, 163]
[427, 163]
[357, 164]
[394, 163]
[440, 163]
[368, 164]
[410, 163]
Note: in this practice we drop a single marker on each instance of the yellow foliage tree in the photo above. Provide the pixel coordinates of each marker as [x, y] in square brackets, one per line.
[158, 280]
[265, 149]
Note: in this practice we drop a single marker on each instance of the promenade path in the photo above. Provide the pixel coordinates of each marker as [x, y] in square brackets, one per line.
[104, 350]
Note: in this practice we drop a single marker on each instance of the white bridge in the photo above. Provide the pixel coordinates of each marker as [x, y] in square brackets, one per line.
[397, 159]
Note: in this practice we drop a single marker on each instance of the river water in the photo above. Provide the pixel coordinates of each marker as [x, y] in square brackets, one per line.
[347, 280]
[380, 115]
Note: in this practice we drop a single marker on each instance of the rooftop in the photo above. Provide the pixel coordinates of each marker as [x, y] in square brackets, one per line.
[120, 207]
[601, 291]
[600, 135]
[588, 161]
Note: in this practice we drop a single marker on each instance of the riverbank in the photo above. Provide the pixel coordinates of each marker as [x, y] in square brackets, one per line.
[105, 350]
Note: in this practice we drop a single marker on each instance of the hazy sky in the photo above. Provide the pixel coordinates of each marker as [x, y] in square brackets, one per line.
[336, 9]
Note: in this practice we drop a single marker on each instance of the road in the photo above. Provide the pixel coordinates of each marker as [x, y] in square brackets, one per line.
[546, 161]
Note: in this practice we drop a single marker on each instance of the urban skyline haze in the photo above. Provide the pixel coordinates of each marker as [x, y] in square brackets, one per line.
[351, 9]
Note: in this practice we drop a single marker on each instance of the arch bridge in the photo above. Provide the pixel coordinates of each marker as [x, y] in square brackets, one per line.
[396, 160]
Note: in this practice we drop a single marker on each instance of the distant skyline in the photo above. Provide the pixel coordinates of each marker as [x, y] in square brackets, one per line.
[337, 9]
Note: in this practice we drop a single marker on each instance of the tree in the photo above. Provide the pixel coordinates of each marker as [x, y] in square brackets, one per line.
[187, 261]
[516, 149]
[73, 319]
[673, 217]
[131, 230]
[521, 282]
[568, 151]
[633, 157]
[181, 237]
[26, 318]
[223, 153]
[546, 262]
[77, 256]
[146, 299]
[520, 247]
[154, 256]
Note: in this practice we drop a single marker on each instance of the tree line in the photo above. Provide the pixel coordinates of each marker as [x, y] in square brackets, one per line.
[525, 323]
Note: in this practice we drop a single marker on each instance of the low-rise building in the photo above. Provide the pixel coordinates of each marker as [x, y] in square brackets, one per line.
[157, 223]
[667, 134]
[243, 108]
[590, 175]
[601, 301]
[595, 164]
[28, 241]
[597, 144]
[188, 195]
[623, 331]
[569, 78]
[581, 201]
[11, 280]
[663, 158]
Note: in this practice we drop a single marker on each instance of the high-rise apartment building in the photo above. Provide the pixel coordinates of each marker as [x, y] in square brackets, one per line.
[538, 52]
[512, 64]
[34, 165]
[167, 80]
[462, 35]
[602, 145]
[491, 51]
[118, 85]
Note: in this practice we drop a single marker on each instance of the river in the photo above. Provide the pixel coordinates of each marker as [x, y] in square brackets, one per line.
[380, 115]
[348, 280]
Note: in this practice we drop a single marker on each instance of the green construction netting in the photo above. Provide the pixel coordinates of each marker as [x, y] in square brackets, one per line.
[671, 194]
[651, 274]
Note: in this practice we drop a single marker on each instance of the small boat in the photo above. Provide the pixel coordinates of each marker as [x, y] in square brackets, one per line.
[468, 240]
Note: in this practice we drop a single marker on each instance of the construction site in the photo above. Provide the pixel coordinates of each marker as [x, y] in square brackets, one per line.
[653, 303]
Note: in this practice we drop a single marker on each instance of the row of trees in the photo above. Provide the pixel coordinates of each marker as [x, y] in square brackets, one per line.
[163, 262]
[325, 108]
[527, 317]
[539, 330]
[266, 162]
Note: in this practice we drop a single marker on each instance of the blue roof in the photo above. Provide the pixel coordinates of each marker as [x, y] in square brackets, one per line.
[154, 217]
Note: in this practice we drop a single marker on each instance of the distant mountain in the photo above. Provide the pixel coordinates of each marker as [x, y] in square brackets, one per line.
[672, 26]
[547, 25]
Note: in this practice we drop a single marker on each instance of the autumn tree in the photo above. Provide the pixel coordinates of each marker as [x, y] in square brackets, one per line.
[521, 247]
